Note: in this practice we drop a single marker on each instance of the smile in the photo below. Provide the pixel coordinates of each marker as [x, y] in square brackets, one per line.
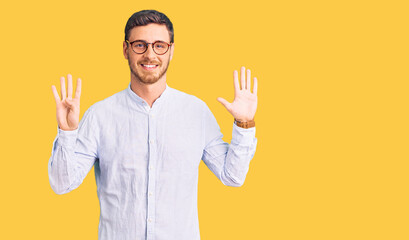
[149, 67]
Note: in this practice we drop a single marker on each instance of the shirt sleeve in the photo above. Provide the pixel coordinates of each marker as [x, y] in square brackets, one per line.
[73, 155]
[229, 162]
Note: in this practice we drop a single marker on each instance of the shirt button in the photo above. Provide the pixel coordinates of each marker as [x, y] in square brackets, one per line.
[150, 168]
[150, 220]
[150, 194]
[151, 141]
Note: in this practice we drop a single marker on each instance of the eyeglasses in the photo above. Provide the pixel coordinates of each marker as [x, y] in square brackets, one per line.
[140, 46]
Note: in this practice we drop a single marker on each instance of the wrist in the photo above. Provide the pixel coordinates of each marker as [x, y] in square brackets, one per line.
[245, 123]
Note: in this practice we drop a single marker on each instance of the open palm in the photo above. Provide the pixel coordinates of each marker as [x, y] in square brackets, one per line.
[68, 108]
[244, 106]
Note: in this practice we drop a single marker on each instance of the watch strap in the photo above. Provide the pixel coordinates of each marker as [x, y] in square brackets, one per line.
[248, 124]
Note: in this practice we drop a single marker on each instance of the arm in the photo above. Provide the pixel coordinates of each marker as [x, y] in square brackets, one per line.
[74, 148]
[230, 162]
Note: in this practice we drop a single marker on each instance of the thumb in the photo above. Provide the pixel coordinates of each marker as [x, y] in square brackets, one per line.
[225, 103]
[68, 102]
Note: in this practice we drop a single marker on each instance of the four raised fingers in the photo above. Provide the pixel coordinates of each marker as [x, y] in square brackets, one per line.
[64, 94]
[55, 93]
[78, 91]
[69, 80]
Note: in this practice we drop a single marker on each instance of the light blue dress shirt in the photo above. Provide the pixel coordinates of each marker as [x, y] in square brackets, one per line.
[146, 162]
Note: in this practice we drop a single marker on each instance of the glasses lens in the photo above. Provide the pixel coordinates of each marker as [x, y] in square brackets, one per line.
[160, 47]
[139, 46]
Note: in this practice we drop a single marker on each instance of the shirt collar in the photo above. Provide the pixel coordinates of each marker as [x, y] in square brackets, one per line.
[141, 101]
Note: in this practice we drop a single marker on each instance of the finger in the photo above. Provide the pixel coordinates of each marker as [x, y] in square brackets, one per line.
[243, 78]
[69, 80]
[63, 93]
[69, 103]
[225, 103]
[248, 84]
[78, 91]
[255, 86]
[55, 93]
[236, 81]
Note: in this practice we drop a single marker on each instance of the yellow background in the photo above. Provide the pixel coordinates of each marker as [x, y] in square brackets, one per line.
[332, 120]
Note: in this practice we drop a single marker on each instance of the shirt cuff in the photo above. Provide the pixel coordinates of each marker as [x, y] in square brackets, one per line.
[67, 138]
[243, 136]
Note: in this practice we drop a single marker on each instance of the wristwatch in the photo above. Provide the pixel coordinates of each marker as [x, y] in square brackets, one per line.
[248, 124]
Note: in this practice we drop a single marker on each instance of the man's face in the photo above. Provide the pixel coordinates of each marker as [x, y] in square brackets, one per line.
[137, 62]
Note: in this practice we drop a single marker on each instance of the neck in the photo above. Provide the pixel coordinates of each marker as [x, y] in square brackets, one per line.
[149, 92]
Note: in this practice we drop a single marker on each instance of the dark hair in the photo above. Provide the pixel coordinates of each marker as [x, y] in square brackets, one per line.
[145, 17]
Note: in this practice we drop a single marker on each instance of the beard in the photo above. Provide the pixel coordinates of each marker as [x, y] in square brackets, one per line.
[146, 77]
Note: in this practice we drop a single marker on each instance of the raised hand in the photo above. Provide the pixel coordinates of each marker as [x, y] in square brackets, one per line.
[244, 106]
[68, 108]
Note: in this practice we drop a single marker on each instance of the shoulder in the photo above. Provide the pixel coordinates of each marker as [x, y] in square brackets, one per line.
[110, 103]
[186, 99]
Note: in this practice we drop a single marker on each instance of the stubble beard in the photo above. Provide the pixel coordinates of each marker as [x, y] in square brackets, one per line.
[147, 78]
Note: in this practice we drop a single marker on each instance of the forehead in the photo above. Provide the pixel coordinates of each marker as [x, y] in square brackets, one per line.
[150, 33]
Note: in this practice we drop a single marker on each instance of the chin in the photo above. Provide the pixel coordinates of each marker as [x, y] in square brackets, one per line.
[147, 79]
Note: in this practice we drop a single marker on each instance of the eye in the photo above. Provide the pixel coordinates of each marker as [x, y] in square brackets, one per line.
[139, 45]
[160, 45]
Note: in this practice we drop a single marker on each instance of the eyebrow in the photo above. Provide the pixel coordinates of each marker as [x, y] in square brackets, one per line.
[147, 41]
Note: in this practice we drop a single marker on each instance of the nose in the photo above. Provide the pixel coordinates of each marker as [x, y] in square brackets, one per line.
[149, 52]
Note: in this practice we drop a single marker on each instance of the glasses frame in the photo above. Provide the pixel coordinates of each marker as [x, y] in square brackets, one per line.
[147, 46]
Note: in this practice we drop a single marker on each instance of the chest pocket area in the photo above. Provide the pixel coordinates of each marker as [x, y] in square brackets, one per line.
[182, 149]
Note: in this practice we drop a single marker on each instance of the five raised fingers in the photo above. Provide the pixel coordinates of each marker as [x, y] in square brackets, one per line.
[236, 81]
[243, 78]
[248, 84]
[255, 86]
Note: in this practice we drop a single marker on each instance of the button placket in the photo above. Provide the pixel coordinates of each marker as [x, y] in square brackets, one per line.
[151, 176]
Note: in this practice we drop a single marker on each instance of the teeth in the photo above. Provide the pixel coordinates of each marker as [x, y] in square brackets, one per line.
[149, 66]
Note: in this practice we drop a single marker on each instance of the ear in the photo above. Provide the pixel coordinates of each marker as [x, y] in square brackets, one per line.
[125, 49]
[172, 48]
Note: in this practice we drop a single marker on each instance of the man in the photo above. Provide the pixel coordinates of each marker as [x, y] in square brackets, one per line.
[146, 142]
